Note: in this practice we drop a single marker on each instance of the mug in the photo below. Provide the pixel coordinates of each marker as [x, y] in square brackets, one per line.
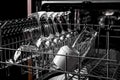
[65, 59]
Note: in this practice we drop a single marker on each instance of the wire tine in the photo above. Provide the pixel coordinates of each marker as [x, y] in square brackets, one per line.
[48, 21]
[53, 16]
[67, 20]
[41, 22]
[60, 22]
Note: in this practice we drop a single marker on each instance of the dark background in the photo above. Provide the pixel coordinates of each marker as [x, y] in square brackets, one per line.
[12, 9]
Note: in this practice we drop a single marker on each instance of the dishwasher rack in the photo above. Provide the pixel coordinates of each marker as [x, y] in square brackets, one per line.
[83, 54]
[41, 60]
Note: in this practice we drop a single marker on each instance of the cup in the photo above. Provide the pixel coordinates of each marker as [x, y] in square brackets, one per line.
[65, 59]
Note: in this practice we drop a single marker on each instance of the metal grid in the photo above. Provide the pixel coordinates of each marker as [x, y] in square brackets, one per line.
[76, 57]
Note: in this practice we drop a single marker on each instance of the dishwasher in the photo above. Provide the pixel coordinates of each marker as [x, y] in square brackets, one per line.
[63, 40]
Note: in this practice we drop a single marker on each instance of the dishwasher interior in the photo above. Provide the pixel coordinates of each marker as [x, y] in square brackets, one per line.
[64, 40]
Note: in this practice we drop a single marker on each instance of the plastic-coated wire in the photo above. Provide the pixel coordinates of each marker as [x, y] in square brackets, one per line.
[98, 63]
[64, 55]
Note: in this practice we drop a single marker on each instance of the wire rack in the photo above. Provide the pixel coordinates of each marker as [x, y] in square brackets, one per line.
[42, 50]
